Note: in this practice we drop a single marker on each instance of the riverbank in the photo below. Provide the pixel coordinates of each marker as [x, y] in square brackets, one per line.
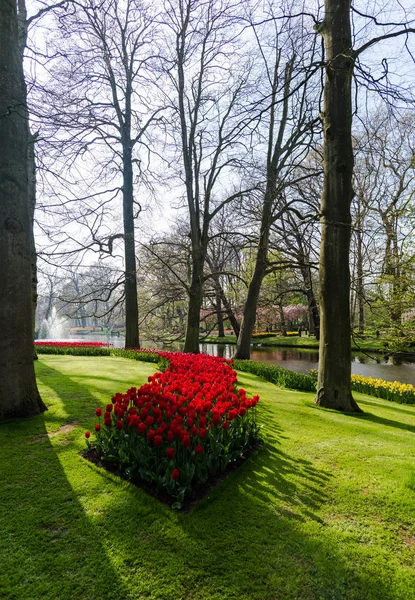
[359, 343]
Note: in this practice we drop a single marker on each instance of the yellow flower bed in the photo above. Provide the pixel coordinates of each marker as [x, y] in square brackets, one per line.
[404, 393]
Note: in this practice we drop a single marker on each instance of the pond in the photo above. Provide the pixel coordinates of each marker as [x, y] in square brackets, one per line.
[301, 361]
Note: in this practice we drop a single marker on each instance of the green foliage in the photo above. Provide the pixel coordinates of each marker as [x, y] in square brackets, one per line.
[277, 375]
[74, 350]
[141, 355]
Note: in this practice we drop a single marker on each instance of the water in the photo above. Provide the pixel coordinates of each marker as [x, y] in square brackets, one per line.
[300, 361]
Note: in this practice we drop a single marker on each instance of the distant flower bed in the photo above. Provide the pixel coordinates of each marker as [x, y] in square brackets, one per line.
[288, 333]
[404, 393]
[73, 348]
[181, 428]
[264, 334]
[71, 344]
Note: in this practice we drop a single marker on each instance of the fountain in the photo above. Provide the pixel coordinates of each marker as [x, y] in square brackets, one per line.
[52, 327]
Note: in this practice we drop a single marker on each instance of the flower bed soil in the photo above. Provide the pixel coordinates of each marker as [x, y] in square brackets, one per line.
[161, 495]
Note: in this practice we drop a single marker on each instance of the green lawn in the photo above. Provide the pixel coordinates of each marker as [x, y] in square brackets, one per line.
[325, 511]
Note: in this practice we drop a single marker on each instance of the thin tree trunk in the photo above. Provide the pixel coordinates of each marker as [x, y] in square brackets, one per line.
[19, 396]
[219, 314]
[229, 312]
[243, 346]
[313, 313]
[191, 343]
[282, 318]
[360, 291]
[131, 307]
[32, 205]
[334, 376]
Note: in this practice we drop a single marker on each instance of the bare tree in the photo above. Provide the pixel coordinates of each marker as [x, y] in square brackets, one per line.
[288, 113]
[385, 184]
[100, 112]
[208, 79]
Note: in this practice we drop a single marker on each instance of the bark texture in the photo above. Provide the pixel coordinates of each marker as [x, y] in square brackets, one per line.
[131, 305]
[19, 396]
[334, 376]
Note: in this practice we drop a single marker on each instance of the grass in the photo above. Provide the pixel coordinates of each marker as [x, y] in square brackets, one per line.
[325, 511]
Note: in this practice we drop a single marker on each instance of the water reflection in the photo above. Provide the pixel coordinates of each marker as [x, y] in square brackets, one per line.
[301, 361]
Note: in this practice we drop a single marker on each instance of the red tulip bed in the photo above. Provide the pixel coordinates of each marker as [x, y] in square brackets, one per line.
[74, 348]
[70, 344]
[182, 428]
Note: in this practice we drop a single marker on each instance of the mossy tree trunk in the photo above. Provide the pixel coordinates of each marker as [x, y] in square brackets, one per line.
[334, 376]
[19, 396]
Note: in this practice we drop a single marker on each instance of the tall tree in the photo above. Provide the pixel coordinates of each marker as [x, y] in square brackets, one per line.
[208, 81]
[287, 109]
[19, 396]
[334, 387]
[100, 109]
[385, 183]
[334, 381]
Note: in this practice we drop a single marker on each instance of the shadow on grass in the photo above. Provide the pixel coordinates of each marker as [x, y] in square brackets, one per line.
[48, 546]
[395, 406]
[367, 416]
[258, 536]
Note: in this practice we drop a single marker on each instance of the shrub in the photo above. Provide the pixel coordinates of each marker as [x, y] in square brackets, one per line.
[181, 427]
[95, 349]
[144, 354]
[73, 348]
[277, 375]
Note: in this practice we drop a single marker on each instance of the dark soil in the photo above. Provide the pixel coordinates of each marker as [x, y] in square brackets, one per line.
[160, 494]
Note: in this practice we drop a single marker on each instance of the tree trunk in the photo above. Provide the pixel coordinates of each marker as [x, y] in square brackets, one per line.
[19, 396]
[313, 313]
[282, 319]
[360, 291]
[32, 205]
[219, 314]
[131, 307]
[334, 375]
[243, 346]
[191, 343]
[229, 312]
